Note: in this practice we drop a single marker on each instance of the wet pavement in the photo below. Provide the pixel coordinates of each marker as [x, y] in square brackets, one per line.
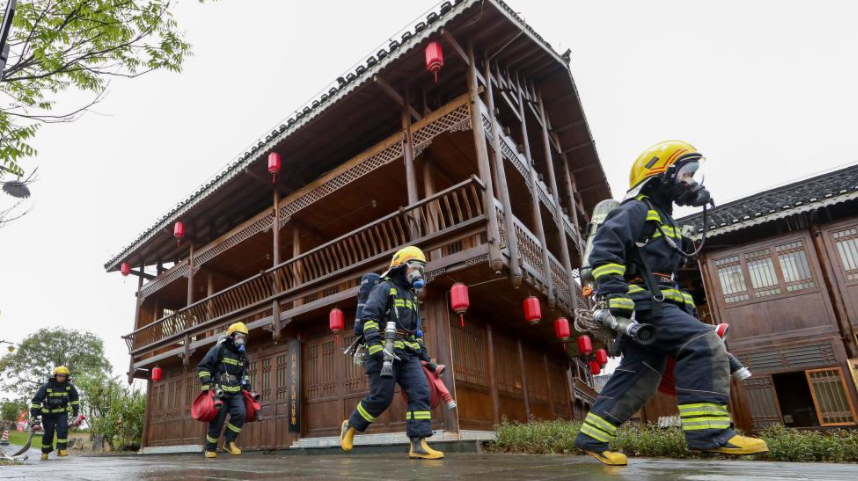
[378, 467]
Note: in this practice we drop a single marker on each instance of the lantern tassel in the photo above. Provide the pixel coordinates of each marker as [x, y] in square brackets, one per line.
[436, 76]
[462, 320]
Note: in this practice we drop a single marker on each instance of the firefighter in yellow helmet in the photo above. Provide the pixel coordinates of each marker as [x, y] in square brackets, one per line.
[52, 402]
[224, 369]
[390, 316]
[635, 257]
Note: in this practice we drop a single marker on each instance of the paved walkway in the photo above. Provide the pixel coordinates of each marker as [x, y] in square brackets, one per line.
[378, 467]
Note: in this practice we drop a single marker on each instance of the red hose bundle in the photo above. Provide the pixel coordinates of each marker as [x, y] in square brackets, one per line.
[251, 406]
[437, 390]
[668, 379]
[203, 408]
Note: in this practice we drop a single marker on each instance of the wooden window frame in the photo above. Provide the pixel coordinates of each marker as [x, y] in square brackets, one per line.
[769, 245]
[846, 392]
[835, 253]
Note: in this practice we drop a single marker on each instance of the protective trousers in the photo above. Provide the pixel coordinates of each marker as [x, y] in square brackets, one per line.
[409, 374]
[702, 383]
[55, 423]
[233, 403]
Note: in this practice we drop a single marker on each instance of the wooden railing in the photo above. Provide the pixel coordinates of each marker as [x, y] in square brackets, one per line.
[435, 217]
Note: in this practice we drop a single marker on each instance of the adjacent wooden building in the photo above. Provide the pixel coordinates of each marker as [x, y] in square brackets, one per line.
[491, 170]
[781, 266]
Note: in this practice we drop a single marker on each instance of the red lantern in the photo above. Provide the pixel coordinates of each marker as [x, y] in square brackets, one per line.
[602, 357]
[274, 165]
[595, 368]
[459, 300]
[179, 231]
[722, 330]
[336, 320]
[156, 374]
[585, 345]
[125, 269]
[532, 312]
[561, 328]
[434, 58]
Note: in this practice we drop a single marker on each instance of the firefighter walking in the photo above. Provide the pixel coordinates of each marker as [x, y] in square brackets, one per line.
[636, 255]
[393, 302]
[224, 369]
[52, 402]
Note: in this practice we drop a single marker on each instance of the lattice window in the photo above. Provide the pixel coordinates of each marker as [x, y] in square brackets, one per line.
[507, 364]
[253, 374]
[762, 402]
[847, 249]
[732, 280]
[355, 376]
[282, 376]
[833, 404]
[795, 267]
[764, 279]
[469, 353]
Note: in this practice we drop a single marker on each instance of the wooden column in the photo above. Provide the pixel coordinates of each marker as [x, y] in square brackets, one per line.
[561, 232]
[570, 192]
[428, 191]
[191, 275]
[209, 293]
[444, 345]
[495, 256]
[524, 391]
[296, 251]
[548, 383]
[534, 200]
[276, 332]
[408, 152]
[493, 385]
[508, 217]
[139, 302]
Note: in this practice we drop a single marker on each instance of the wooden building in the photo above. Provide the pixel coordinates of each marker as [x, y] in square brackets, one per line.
[781, 267]
[491, 170]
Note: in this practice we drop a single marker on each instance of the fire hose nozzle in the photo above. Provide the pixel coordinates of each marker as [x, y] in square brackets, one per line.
[389, 348]
[737, 370]
[643, 334]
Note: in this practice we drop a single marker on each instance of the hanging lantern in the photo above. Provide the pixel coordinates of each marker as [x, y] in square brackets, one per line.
[595, 369]
[156, 374]
[434, 58]
[179, 231]
[561, 328]
[585, 345]
[459, 300]
[336, 320]
[125, 269]
[274, 166]
[532, 311]
[602, 357]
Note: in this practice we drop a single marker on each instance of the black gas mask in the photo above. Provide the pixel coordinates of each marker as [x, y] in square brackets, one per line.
[681, 179]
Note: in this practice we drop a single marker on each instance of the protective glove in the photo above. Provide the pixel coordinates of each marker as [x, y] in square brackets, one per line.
[35, 412]
[621, 305]
[436, 369]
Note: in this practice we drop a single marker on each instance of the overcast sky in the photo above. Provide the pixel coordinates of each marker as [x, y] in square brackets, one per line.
[767, 90]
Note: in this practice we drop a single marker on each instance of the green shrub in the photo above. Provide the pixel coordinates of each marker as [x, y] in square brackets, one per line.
[785, 444]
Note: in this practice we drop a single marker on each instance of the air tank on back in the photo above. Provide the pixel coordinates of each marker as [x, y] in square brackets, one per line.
[600, 213]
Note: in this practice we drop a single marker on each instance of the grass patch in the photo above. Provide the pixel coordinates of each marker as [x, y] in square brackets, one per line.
[785, 444]
[20, 438]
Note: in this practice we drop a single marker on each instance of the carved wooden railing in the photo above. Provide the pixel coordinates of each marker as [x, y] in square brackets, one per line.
[561, 283]
[435, 217]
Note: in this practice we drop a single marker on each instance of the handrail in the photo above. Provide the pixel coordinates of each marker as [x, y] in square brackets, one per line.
[449, 209]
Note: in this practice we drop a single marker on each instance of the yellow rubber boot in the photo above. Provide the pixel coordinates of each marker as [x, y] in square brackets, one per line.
[62, 453]
[421, 450]
[347, 436]
[211, 454]
[231, 448]
[610, 458]
[740, 445]
[44, 456]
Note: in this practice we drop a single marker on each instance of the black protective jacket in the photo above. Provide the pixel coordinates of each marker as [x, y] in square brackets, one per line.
[225, 367]
[634, 232]
[393, 299]
[55, 397]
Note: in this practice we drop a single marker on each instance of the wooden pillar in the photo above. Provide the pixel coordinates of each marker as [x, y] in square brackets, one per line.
[493, 385]
[276, 332]
[408, 152]
[209, 293]
[561, 232]
[444, 346]
[191, 275]
[573, 204]
[508, 217]
[524, 391]
[144, 442]
[495, 256]
[139, 301]
[428, 191]
[298, 268]
[534, 200]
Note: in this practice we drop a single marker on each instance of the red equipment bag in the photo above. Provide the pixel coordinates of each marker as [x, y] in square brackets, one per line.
[668, 379]
[251, 407]
[203, 409]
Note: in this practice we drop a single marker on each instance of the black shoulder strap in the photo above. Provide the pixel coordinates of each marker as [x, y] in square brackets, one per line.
[649, 280]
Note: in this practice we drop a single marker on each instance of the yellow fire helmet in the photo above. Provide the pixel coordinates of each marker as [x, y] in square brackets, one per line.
[62, 370]
[410, 253]
[656, 160]
[237, 327]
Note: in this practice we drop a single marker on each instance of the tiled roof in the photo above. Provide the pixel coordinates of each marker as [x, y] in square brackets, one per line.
[356, 76]
[803, 195]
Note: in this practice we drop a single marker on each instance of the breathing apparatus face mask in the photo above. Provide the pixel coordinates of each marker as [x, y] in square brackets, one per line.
[414, 274]
[685, 189]
[240, 341]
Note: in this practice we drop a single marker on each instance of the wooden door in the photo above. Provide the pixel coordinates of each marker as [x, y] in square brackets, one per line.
[833, 404]
[267, 376]
[763, 401]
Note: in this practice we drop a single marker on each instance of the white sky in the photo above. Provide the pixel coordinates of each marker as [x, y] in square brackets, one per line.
[767, 90]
